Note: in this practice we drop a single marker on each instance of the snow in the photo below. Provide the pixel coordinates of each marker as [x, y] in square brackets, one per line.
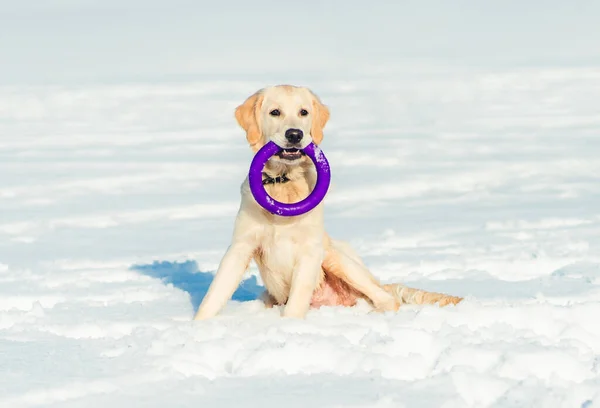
[464, 158]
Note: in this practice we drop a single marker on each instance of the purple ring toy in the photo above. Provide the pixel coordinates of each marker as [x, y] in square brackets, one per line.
[279, 208]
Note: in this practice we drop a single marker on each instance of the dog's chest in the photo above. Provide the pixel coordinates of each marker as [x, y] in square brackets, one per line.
[278, 249]
[277, 258]
[280, 242]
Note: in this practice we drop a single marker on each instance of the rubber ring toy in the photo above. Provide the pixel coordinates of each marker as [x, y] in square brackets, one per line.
[278, 208]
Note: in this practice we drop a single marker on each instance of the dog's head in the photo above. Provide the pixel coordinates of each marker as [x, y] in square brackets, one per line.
[289, 116]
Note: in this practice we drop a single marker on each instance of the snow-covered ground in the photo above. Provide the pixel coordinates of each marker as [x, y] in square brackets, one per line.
[118, 194]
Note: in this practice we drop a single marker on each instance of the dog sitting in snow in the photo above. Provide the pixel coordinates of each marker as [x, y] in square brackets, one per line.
[300, 265]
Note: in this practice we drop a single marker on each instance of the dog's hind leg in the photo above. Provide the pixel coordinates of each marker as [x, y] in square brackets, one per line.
[349, 268]
[413, 296]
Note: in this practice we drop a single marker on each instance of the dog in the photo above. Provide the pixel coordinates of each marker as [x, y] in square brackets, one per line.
[301, 266]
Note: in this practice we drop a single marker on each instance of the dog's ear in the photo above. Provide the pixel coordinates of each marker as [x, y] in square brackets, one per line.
[320, 118]
[248, 117]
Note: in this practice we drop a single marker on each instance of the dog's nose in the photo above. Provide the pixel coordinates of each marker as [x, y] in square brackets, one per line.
[294, 135]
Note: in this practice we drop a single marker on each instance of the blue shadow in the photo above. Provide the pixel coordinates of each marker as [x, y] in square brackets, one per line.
[187, 277]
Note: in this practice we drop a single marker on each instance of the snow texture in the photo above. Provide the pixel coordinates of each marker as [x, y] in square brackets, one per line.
[464, 143]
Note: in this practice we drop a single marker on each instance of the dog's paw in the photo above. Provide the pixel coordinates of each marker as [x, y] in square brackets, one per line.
[389, 304]
[295, 310]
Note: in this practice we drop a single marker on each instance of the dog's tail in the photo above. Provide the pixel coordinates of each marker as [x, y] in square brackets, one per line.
[411, 296]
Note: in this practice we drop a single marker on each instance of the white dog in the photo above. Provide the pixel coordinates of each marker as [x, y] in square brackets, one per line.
[300, 265]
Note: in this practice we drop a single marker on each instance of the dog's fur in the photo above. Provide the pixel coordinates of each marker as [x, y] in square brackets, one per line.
[300, 265]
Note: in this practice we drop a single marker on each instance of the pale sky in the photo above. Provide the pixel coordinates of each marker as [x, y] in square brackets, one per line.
[68, 40]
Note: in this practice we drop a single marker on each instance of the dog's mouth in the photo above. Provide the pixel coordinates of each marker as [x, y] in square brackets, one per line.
[290, 154]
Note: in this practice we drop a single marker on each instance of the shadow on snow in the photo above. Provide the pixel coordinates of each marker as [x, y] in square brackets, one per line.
[187, 277]
[570, 280]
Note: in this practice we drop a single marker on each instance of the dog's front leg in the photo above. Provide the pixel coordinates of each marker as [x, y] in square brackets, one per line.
[228, 277]
[304, 282]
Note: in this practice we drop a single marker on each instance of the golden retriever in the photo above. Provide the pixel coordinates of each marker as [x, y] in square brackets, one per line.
[300, 265]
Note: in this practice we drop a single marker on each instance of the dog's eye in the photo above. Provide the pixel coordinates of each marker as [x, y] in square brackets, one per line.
[303, 112]
[275, 112]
